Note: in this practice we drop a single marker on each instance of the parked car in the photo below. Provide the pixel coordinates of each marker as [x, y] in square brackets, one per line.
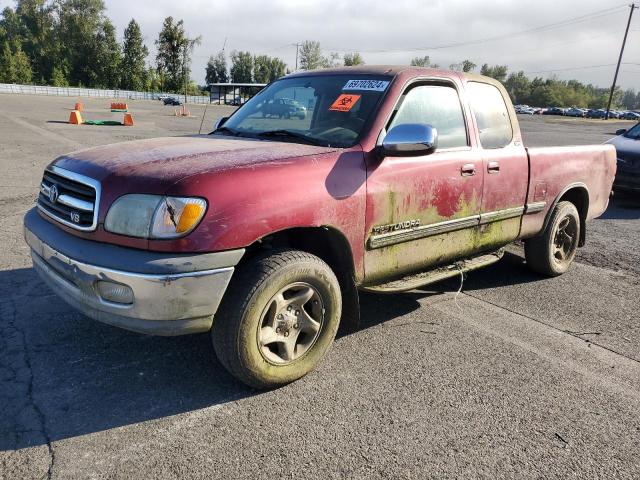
[575, 112]
[162, 97]
[627, 143]
[632, 116]
[525, 111]
[283, 107]
[554, 111]
[172, 101]
[599, 113]
[262, 236]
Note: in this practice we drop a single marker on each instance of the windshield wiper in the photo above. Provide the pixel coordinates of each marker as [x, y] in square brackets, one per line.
[226, 131]
[292, 134]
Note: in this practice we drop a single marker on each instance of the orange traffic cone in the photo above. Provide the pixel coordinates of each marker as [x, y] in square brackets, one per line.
[128, 120]
[79, 107]
[75, 118]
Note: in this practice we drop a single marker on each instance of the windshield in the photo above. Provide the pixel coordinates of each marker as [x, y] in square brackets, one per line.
[634, 132]
[329, 110]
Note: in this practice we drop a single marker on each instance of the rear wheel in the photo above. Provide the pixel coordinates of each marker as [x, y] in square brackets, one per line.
[553, 252]
[279, 318]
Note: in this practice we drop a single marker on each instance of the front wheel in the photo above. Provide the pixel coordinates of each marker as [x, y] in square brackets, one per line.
[279, 318]
[553, 252]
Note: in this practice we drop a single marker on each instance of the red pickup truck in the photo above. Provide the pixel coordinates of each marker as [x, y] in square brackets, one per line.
[263, 231]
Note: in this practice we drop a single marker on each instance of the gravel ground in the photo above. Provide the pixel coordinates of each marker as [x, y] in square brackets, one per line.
[517, 376]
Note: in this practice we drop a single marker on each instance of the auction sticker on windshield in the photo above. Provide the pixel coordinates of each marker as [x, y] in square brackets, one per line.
[344, 102]
[370, 85]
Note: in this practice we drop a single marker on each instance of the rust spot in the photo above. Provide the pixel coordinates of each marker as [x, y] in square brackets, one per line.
[446, 200]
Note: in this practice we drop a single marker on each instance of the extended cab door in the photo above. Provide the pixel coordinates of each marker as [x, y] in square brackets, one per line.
[504, 161]
[424, 210]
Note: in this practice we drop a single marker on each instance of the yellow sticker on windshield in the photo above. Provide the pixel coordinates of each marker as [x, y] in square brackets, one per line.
[344, 102]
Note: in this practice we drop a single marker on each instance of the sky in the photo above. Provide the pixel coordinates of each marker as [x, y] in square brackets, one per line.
[394, 31]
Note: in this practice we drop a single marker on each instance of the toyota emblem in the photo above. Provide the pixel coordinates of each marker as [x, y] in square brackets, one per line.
[53, 193]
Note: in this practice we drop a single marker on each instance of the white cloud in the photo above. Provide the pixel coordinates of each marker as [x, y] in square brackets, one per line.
[274, 26]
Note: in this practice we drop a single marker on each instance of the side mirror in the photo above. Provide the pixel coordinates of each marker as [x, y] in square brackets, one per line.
[219, 122]
[410, 140]
[622, 131]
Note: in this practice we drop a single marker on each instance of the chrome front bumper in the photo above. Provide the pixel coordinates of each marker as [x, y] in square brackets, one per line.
[160, 304]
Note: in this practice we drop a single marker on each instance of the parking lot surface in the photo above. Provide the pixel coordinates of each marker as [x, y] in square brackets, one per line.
[515, 376]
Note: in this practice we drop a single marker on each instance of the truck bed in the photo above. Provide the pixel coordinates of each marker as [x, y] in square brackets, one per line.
[555, 170]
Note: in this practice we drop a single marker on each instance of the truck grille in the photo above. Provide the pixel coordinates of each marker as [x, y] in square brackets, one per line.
[69, 198]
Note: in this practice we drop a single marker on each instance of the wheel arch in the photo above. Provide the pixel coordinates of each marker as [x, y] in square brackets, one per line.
[578, 194]
[332, 246]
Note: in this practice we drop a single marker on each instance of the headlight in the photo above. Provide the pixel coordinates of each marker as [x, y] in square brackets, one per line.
[154, 216]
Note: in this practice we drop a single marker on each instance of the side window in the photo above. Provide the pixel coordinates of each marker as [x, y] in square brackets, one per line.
[438, 106]
[491, 115]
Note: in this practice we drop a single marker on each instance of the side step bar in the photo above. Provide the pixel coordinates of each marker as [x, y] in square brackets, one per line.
[416, 280]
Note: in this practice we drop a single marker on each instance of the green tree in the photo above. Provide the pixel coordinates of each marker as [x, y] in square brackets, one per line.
[14, 65]
[423, 62]
[173, 60]
[22, 66]
[241, 67]
[134, 54]
[38, 36]
[107, 57]
[11, 28]
[630, 99]
[311, 56]
[216, 70]
[7, 64]
[278, 69]
[266, 69]
[518, 86]
[81, 25]
[59, 77]
[152, 80]
[468, 66]
[499, 72]
[352, 59]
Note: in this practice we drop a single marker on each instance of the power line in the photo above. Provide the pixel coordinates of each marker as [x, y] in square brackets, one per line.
[567, 22]
[584, 67]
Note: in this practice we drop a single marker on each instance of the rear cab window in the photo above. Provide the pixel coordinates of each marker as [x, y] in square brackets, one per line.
[492, 116]
[436, 105]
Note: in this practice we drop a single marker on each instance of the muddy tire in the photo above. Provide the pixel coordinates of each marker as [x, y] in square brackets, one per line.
[553, 252]
[278, 319]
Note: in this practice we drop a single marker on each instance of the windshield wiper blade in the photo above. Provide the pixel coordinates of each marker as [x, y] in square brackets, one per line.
[292, 134]
[226, 131]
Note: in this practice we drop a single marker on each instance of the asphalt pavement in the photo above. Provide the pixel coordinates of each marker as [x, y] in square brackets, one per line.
[511, 376]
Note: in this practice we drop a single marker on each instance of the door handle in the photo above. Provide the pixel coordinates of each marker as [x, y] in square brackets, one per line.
[493, 167]
[468, 169]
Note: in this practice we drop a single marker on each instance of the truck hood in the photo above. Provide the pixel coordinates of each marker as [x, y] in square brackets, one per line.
[157, 163]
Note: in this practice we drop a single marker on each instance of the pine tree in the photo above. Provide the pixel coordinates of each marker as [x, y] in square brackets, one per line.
[22, 65]
[352, 59]
[134, 53]
[81, 27]
[216, 70]
[7, 65]
[241, 67]
[107, 57]
[174, 54]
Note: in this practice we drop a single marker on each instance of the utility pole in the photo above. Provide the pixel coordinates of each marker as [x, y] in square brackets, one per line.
[297, 47]
[615, 77]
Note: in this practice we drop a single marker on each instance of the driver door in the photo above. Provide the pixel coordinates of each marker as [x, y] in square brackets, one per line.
[424, 210]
